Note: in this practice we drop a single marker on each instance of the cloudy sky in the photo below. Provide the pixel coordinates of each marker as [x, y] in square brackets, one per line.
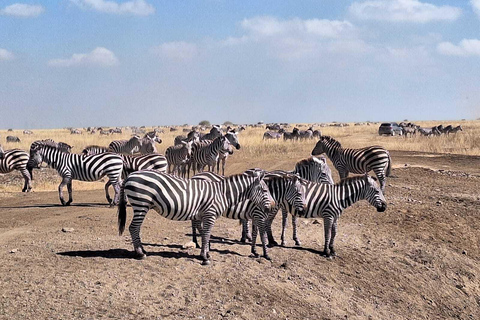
[144, 62]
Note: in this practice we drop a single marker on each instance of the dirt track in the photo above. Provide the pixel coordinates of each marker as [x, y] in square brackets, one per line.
[418, 260]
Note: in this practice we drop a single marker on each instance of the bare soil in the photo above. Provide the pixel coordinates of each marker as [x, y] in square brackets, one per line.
[418, 260]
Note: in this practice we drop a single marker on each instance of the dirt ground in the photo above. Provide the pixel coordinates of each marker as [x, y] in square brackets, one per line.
[418, 260]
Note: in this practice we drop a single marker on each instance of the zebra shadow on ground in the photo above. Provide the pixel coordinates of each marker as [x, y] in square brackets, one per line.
[126, 254]
[59, 205]
[177, 246]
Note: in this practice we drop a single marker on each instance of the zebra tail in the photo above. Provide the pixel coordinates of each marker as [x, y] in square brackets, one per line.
[389, 166]
[122, 209]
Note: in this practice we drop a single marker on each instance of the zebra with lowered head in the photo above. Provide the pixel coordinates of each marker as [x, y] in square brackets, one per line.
[71, 166]
[328, 202]
[16, 159]
[357, 161]
[186, 199]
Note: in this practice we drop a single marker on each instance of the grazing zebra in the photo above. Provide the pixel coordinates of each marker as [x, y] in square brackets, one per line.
[72, 166]
[93, 149]
[178, 157]
[147, 143]
[191, 136]
[126, 146]
[329, 201]
[180, 199]
[307, 134]
[208, 155]
[16, 159]
[27, 132]
[270, 135]
[75, 131]
[294, 135]
[223, 154]
[317, 134]
[12, 139]
[357, 161]
[284, 188]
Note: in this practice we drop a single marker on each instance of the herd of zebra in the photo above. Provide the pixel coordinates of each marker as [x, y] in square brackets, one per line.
[411, 129]
[296, 134]
[307, 191]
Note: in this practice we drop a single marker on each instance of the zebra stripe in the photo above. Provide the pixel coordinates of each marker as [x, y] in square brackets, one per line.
[223, 154]
[93, 149]
[16, 159]
[48, 142]
[357, 161]
[72, 166]
[125, 146]
[180, 199]
[329, 201]
[178, 157]
[209, 154]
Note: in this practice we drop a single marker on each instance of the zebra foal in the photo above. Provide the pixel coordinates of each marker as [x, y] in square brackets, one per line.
[357, 161]
[71, 166]
[183, 199]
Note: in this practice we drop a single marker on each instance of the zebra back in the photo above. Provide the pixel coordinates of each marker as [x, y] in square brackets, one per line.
[156, 162]
[94, 149]
[14, 159]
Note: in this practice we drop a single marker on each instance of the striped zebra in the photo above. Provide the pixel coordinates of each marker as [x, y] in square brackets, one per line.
[186, 199]
[71, 166]
[207, 155]
[12, 139]
[152, 161]
[49, 142]
[357, 161]
[94, 149]
[214, 133]
[232, 137]
[178, 157]
[16, 159]
[284, 188]
[329, 201]
[126, 146]
[147, 143]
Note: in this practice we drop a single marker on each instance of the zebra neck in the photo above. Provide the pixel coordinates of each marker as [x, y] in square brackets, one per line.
[234, 189]
[349, 193]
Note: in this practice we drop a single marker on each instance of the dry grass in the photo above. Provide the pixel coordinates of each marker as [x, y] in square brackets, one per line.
[254, 150]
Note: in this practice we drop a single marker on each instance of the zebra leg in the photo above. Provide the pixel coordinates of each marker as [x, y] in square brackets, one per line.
[271, 240]
[27, 187]
[223, 166]
[134, 228]
[107, 195]
[245, 232]
[60, 189]
[207, 224]
[116, 197]
[70, 192]
[260, 222]
[294, 227]
[284, 226]
[334, 233]
[254, 240]
[196, 225]
[381, 179]
[327, 226]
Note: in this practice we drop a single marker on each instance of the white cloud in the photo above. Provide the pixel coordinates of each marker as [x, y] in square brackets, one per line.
[476, 6]
[134, 7]
[99, 57]
[177, 50]
[466, 47]
[6, 55]
[22, 10]
[403, 10]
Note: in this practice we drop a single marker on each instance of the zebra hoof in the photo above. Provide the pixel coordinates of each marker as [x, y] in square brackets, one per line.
[206, 262]
[267, 258]
[254, 255]
[298, 243]
[140, 256]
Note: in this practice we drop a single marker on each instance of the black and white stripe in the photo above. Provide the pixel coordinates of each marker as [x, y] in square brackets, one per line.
[16, 159]
[208, 155]
[232, 137]
[329, 201]
[178, 157]
[94, 149]
[126, 146]
[357, 161]
[186, 199]
[47, 142]
[78, 167]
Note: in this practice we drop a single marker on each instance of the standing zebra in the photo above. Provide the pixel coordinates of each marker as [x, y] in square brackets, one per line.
[180, 199]
[178, 157]
[223, 154]
[126, 146]
[16, 159]
[49, 142]
[329, 201]
[72, 166]
[284, 188]
[357, 161]
[209, 154]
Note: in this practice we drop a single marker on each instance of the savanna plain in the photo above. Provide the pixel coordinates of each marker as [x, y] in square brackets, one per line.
[420, 259]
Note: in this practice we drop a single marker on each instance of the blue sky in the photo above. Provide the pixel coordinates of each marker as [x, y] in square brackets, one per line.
[142, 62]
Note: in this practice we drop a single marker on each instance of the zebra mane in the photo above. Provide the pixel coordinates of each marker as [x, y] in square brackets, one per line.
[332, 142]
[310, 160]
[49, 146]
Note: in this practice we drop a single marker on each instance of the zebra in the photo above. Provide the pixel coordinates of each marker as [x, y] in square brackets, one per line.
[13, 139]
[284, 188]
[294, 135]
[357, 161]
[93, 149]
[329, 201]
[311, 169]
[59, 145]
[75, 131]
[71, 166]
[28, 132]
[178, 157]
[214, 133]
[16, 159]
[147, 143]
[191, 136]
[270, 135]
[209, 154]
[232, 137]
[456, 129]
[126, 146]
[186, 199]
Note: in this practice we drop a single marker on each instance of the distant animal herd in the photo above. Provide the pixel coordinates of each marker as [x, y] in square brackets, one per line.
[149, 180]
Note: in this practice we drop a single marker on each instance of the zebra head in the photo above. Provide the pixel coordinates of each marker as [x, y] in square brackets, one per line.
[325, 144]
[374, 195]
[315, 169]
[258, 191]
[226, 145]
[233, 138]
[36, 156]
